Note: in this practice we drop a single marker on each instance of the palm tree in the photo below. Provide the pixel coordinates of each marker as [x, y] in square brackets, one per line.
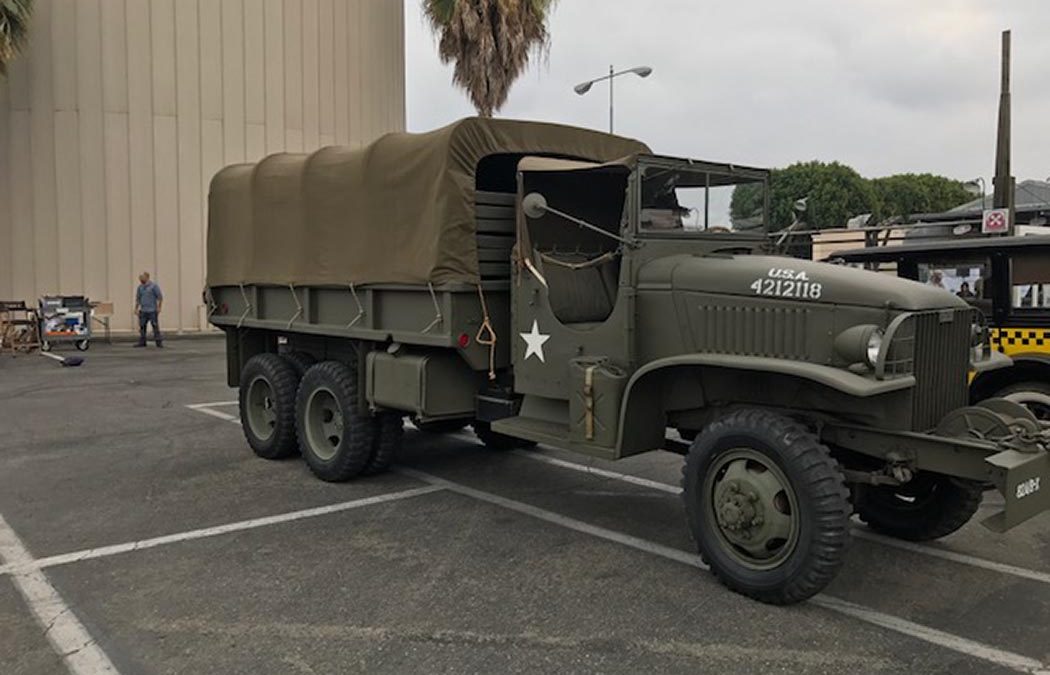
[14, 29]
[489, 41]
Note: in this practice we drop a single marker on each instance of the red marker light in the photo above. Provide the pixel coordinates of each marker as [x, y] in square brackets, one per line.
[464, 340]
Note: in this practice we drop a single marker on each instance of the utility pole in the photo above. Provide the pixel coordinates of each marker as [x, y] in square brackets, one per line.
[1003, 183]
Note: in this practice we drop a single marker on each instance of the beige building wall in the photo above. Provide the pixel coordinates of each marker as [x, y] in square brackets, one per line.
[113, 123]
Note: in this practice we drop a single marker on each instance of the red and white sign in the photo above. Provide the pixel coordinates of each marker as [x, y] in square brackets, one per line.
[995, 221]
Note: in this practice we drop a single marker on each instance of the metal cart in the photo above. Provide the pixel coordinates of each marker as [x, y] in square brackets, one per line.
[65, 318]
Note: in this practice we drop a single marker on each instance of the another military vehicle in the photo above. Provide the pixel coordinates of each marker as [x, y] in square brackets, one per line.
[567, 287]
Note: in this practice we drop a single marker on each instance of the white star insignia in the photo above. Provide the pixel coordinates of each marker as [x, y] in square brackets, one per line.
[534, 340]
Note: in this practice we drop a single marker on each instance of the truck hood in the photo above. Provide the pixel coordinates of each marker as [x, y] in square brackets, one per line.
[792, 280]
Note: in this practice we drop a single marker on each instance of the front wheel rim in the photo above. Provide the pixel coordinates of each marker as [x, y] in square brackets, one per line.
[261, 408]
[752, 508]
[324, 424]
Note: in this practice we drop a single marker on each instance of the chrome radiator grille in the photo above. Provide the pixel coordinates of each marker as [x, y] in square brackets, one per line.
[935, 347]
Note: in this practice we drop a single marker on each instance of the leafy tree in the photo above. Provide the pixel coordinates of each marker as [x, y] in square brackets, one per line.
[837, 193]
[834, 192]
[14, 29]
[489, 42]
[908, 194]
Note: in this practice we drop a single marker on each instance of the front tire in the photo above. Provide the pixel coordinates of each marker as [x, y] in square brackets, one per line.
[1033, 395]
[767, 506]
[335, 437]
[930, 506]
[267, 402]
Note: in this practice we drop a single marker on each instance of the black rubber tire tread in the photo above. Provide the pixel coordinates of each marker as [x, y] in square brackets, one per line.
[440, 426]
[300, 361]
[955, 504]
[1030, 385]
[497, 441]
[821, 495]
[283, 382]
[390, 429]
[358, 429]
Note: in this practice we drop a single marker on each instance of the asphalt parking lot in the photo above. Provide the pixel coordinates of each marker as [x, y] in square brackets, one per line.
[138, 534]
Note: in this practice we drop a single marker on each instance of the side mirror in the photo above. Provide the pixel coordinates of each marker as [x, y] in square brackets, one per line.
[534, 204]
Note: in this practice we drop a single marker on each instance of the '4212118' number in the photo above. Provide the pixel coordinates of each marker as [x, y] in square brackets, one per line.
[787, 288]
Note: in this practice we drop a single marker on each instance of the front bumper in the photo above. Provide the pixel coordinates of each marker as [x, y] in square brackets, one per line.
[1023, 478]
[992, 443]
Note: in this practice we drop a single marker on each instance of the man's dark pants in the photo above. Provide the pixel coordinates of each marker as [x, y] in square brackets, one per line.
[149, 318]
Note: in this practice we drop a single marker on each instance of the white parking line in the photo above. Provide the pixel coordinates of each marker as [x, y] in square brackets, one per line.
[215, 413]
[14, 567]
[859, 533]
[79, 652]
[949, 641]
[216, 404]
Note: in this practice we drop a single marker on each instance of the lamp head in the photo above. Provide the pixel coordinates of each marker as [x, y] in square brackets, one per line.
[583, 87]
[642, 71]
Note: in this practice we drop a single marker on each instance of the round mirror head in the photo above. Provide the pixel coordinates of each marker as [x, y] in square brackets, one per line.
[534, 204]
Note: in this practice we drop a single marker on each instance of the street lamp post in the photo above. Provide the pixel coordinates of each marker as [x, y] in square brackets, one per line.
[583, 87]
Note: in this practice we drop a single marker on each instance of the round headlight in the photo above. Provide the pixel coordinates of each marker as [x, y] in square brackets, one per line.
[859, 344]
[874, 346]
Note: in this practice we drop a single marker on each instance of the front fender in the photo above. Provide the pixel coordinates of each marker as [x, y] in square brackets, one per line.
[836, 378]
[641, 406]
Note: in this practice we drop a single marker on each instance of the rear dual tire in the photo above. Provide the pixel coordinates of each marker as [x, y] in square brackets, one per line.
[289, 406]
[267, 406]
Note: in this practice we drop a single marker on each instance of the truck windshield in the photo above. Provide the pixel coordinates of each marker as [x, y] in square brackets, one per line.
[682, 200]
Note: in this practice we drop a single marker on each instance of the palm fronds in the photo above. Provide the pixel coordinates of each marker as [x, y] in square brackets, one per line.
[489, 43]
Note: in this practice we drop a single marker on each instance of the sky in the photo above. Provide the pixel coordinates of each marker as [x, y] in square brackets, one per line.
[885, 86]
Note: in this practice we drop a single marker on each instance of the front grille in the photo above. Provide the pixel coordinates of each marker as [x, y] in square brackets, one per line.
[941, 362]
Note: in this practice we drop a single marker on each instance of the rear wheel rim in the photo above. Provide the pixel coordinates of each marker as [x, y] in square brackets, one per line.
[261, 408]
[324, 423]
[752, 508]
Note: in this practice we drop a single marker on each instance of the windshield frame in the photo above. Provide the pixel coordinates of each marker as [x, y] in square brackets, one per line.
[734, 175]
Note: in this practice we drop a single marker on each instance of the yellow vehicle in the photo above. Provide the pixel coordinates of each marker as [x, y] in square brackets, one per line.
[1008, 279]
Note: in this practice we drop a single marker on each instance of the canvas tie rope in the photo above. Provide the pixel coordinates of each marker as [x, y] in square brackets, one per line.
[299, 306]
[438, 318]
[210, 301]
[486, 334]
[247, 306]
[605, 257]
[360, 307]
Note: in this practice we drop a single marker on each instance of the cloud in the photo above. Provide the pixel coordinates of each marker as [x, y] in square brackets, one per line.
[887, 86]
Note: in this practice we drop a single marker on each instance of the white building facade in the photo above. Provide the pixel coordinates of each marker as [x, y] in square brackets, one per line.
[120, 111]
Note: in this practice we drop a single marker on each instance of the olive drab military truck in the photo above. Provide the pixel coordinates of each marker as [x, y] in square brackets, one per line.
[553, 285]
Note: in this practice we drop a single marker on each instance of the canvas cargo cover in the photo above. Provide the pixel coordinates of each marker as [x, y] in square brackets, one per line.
[400, 210]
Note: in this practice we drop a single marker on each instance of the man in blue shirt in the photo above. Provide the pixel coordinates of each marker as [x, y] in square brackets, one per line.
[148, 301]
